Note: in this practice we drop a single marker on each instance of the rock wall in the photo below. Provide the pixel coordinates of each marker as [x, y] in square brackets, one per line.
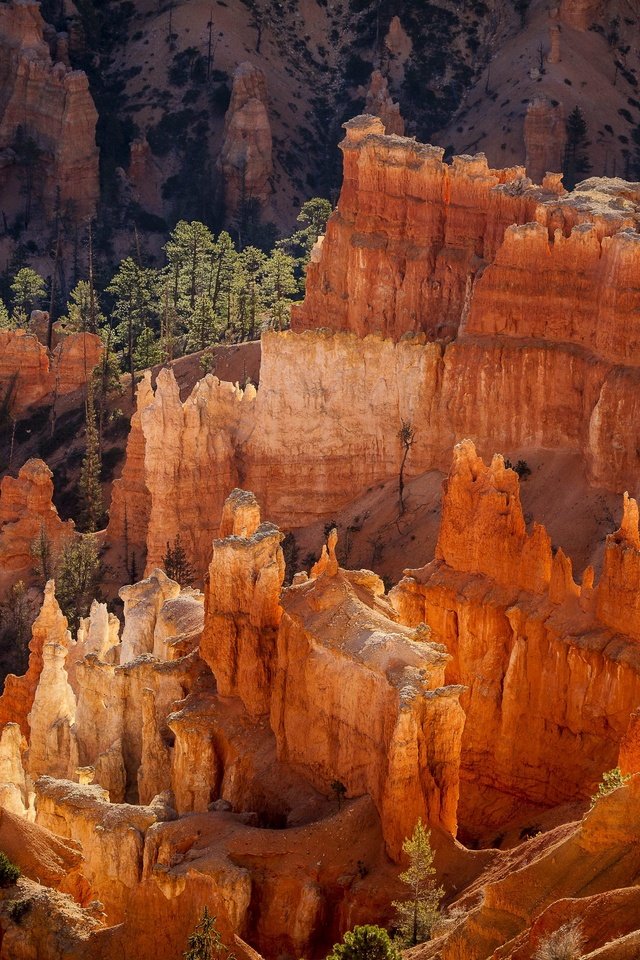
[52, 104]
[552, 668]
[409, 234]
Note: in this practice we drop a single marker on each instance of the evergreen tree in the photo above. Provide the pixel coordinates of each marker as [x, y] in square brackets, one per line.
[313, 215]
[148, 350]
[576, 160]
[78, 576]
[188, 252]
[90, 488]
[136, 301]
[83, 310]
[28, 289]
[176, 563]
[6, 322]
[42, 553]
[205, 943]
[248, 293]
[365, 943]
[279, 285]
[418, 913]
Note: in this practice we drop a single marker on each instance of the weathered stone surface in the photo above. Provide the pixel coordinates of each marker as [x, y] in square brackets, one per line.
[52, 739]
[142, 604]
[544, 136]
[245, 162]
[26, 512]
[52, 104]
[547, 668]
[13, 785]
[379, 103]
[50, 626]
[347, 678]
[30, 375]
[242, 609]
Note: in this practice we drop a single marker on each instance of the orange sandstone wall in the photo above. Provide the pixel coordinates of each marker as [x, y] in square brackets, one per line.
[552, 668]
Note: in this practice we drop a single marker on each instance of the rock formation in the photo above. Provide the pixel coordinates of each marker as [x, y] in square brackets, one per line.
[50, 626]
[380, 104]
[52, 739]
[243, 610]
[537, 652]
[544, 135]
[580, 14]
[181, 464]
[245, 163]
[51, 104]
[30, 375]
[27, 512]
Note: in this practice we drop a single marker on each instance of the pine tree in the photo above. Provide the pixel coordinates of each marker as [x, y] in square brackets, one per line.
[205, 943]
[136, 305]
[77, 579]
[418, 913]
[176, 563]
[42, 553]
[6, 322]
[279, 285]
[83, 309]
[576, 160]
[90, 487]
[28, 290]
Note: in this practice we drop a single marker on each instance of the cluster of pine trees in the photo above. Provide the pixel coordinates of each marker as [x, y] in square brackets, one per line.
[208, 292]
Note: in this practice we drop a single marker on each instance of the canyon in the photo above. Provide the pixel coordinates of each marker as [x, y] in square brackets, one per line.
[262, 739]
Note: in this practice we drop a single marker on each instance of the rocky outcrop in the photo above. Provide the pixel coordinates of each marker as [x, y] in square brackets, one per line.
[581, 14]
[51, 104]
[245, 162]
[30, 375]
[130, 500]
[14, 795]
[26, 513]
[549, 665]
[582, 872]
[379, 103]
[544, 135]
[142, 603]
[408, 237]
[52, 737]
[181, 465]
[337, 635]
[50, 626]
[242, 611]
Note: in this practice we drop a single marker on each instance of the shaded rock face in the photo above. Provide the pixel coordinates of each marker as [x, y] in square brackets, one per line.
[581, 14]
[550, 666]
[27, 512]
[380, 104]
[242, 611]
[245, 162]
[51, 104]
[544, 137]
[335, 633]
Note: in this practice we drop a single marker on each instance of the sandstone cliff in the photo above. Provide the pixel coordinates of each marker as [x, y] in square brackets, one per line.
[245, 161]
[50, 103]
[541, 656]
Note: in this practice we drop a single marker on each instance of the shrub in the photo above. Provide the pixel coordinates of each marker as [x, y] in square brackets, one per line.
[611, 780]
[365, 943]
[9, 873]
[564, 944]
